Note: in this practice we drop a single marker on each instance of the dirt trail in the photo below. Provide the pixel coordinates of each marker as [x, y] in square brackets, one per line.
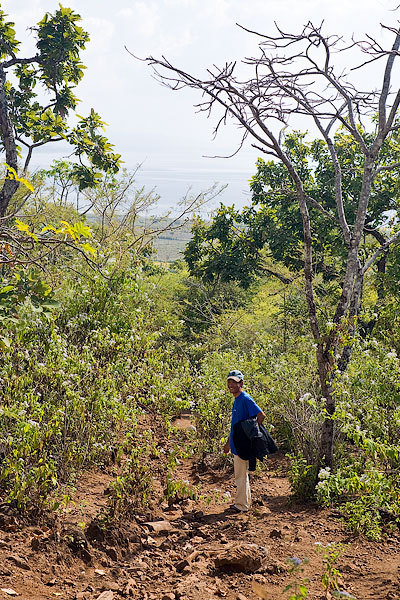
[170, 553]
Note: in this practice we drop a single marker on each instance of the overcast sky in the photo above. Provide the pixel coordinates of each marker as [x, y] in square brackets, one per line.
[152, 125]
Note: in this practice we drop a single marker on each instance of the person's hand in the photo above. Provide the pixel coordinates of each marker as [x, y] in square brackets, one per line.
[260, 417]
[227, 447]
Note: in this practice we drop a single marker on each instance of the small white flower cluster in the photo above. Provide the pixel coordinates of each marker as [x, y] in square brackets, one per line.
[322, 488]
[323, 485]
[305, 397]
[324, 473]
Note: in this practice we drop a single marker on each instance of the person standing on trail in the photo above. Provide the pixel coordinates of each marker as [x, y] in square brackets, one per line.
[243, 408]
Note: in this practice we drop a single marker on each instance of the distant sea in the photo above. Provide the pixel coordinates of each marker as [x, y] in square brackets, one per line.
[173, 184]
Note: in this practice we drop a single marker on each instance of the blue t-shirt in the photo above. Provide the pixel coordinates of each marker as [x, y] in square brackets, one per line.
[243, 408]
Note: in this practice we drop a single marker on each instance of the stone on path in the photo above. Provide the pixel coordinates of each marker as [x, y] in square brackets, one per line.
[160, 526]
[260, 590]
[108, 595]
[276, 533]
[19, 561]
[130, 587]
[246, 558]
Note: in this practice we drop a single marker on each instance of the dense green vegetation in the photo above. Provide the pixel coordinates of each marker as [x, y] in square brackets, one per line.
[85, 354]
[230, 248]
[96, 339]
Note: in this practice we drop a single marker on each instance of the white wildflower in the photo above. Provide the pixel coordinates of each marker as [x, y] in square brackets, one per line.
[324, 473]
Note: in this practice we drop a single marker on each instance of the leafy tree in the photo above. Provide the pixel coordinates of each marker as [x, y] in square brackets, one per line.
[229, 248]
[224, 250]
[277, 214]
[37, 98]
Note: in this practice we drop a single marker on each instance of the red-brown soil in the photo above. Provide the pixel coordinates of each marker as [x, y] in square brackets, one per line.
[53, 561]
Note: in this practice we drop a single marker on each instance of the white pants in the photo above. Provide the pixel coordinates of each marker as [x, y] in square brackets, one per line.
[243, 494]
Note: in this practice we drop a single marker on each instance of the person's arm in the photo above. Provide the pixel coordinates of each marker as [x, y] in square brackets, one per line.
[254, 411]
[260, 417]
[227, 447]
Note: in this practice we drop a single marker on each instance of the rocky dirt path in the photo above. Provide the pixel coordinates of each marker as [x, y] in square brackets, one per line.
[191, 549]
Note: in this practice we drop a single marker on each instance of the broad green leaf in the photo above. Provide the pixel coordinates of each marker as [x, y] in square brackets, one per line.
[24, 227]
[67, 228]
[5, 342]
[88, 248]
[12, 174]
[49, 228]
[50, 304]
[82, 230]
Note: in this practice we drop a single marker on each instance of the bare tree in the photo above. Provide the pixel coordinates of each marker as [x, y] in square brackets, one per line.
[121, 232]
[294, 75]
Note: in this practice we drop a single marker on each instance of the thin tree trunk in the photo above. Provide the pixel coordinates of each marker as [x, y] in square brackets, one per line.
[325, 362]
[10, 186]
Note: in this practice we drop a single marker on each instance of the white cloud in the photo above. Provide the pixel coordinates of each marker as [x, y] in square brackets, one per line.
[101, 32]
[181, 3]
[173, 44]
[125, 12]
[146, 18]
[100, 28]
[217, 10]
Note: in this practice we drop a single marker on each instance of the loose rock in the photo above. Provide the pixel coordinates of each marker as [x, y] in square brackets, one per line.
[159, 526]
[275, 533]
[108, 595]
[181, 565]
[19, 561]
[130, 587]
[77, 542]
[245, 558]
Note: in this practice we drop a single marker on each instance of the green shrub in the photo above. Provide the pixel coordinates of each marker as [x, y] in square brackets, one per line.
[302, 477]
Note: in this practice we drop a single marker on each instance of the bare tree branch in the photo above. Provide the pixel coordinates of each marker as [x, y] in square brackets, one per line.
[372, 260]
[387, 168]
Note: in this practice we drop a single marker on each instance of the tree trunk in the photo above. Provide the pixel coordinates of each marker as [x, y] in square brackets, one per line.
[10, 186]
[325, 362]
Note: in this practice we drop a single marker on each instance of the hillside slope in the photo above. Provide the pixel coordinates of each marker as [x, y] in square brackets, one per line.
[175, 550]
